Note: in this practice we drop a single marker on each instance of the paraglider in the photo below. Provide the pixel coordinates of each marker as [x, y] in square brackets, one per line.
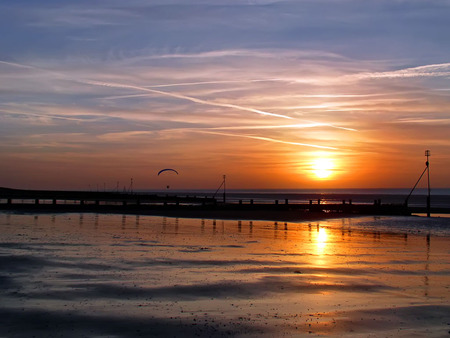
[167, 169]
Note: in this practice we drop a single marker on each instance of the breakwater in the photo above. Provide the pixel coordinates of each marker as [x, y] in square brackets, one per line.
[192, 206]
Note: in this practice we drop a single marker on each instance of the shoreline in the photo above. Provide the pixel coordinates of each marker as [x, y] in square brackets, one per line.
[281, 215]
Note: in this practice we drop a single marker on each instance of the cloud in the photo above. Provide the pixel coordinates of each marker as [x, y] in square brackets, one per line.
[424, 120]
[268, 139]
[435, 70]
[44, 116]
[276, 53]
[184, 97]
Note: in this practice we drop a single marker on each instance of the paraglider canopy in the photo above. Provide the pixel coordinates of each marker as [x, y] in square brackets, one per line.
[168, 169]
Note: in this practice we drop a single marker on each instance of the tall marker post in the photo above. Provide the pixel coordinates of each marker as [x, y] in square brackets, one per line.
[224, 189]
[428, 154]
[427, 169]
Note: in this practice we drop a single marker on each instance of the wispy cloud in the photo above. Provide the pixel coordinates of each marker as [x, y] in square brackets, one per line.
[435, 70]
[18, 65]
[287, 126]
[184, 97]
[253, 53]
[46, 116]
[268, 139]
[423, 120]
[182, 84]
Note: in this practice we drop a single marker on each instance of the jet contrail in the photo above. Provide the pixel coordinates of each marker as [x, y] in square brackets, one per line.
[184, 97]
[175, 95]
[434, 70]
[212, 82]
[269, 140]
[311, 125]
[18, 65]
[200, 101]
[49, 116]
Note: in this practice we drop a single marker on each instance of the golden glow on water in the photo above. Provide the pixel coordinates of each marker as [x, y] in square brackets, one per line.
[215, 271]
[321, 240]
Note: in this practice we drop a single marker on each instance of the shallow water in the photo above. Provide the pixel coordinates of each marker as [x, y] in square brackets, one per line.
[96, 275]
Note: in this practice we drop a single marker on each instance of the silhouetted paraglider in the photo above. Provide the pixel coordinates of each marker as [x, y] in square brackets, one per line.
[165, 170]
[168, 169]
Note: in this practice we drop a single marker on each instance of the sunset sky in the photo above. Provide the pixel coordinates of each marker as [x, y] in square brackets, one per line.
[273, 94]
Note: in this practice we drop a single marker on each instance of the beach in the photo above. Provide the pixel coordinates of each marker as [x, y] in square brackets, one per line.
[104, 275]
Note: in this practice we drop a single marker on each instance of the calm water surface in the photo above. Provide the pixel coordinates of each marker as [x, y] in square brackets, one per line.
[96, 275]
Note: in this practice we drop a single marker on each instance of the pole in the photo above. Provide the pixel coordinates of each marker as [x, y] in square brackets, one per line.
[224, 189]
[427, 154]
[415, 185]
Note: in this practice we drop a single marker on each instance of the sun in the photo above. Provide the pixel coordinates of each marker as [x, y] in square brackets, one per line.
[323, 168]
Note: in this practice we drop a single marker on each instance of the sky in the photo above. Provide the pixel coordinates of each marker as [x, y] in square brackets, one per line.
[273, 94]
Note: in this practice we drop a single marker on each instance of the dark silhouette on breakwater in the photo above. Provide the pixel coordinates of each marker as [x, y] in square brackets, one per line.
[427, 170]
[193, 206]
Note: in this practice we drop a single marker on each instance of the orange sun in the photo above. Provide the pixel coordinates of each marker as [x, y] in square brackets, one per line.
[323, 168]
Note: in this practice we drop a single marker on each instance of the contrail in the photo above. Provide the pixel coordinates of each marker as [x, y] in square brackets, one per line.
[184, 97]
[213, 82]
[435, 70]
[311, 125]
[175, 95]
[332, 126]
[49, 116]
[200, 101]
[269, 140]
[18, 65]
[423, 120]
[298, 125]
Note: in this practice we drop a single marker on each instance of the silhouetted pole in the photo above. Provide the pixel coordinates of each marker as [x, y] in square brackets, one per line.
[427, 169]
[427, 154]
[131, 186]
[224, 189]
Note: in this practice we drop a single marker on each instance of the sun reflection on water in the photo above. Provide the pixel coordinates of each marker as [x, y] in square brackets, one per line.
[321, 246]
[321, 240]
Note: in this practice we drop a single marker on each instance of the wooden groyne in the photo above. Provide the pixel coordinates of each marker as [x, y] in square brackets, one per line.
[15, 199]
[189, 206]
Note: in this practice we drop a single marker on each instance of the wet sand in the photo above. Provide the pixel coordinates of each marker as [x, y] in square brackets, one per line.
[93, 275]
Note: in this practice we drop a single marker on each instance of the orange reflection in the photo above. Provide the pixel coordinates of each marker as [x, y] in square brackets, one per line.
[321, 241]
